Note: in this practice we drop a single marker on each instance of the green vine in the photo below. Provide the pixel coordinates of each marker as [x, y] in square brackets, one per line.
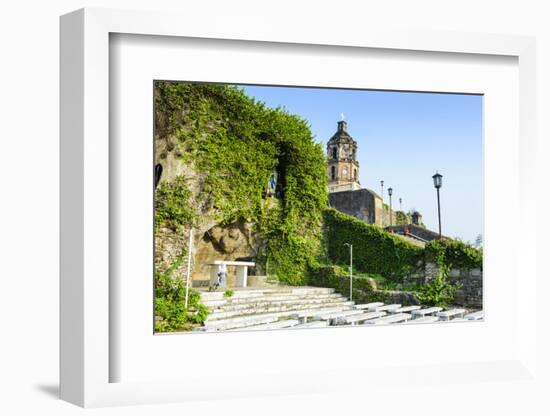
[173, 207]
[375, 250]
[455, 254]
[170, 311]
[235, 143]
[439, 291]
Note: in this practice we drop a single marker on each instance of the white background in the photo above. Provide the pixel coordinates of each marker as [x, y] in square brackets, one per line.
[29, 205]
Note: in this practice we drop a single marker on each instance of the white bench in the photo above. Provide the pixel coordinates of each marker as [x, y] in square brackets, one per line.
[475, 316]
[242, 271]
[386, 308]
[288, 323]
[312, 324]
[369, 305]
[390, 319]
[353, 319]
[427, 311]
[424, 320]
[447, 315]
[336, 315]
[406, 309]
[303, 315]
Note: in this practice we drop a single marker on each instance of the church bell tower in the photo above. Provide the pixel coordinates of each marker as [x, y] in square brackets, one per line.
[343, 167]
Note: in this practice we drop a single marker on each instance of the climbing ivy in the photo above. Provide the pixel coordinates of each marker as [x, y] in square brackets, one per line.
[375, 250]
[235, 143]
[172, 204]
[455, 254]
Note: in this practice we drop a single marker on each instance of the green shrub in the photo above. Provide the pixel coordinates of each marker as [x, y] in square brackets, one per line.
[374, 250]
[439, 291]
[170, 311]
[402, 218]
[454, 253]
[228, 293]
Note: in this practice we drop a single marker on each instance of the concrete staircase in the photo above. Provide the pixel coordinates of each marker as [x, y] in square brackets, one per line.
[265, 307]
[312, 307]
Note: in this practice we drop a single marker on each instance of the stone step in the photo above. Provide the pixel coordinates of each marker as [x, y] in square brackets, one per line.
[241, 322]
[286, 323]
[250, 293]
[292, 306]
[266, 299]
[279, 302]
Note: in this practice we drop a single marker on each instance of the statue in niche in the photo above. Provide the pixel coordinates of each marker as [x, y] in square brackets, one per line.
[273, 185]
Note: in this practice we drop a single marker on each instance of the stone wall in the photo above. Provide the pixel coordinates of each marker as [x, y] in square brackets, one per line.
[211, 239]
[233, 242]
[471, 280]
[471, 293]
[359, 204]
[363, 204]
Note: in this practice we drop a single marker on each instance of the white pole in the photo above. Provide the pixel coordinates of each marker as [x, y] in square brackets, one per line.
[350, 272]
[189, 254]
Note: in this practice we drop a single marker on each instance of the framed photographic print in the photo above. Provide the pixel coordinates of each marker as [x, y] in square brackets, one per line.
[226, 199]
[257, 217]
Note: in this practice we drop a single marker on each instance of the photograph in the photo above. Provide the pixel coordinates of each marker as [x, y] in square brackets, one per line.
[295, 207]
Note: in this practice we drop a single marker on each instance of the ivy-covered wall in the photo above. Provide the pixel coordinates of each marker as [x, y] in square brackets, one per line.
[375, 250]
[220, 148]
[364, 288]
[455, 254]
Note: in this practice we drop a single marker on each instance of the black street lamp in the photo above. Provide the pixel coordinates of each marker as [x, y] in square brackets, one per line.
[390, 192]
[437, 184]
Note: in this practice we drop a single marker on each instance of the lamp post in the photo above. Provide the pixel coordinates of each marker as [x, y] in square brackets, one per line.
[437, 184]
[390, 192]
[382, 189]
[350, 270]
[189, 255]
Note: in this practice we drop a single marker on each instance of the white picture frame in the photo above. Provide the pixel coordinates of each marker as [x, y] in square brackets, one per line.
[86, 356]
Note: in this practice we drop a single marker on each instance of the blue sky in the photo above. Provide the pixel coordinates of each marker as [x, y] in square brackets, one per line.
[404, 138]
